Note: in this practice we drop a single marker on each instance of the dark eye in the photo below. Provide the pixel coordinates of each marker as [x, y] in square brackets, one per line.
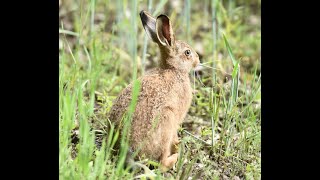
[187, 52]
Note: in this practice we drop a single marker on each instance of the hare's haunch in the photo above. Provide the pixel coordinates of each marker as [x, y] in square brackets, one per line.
[164, 98]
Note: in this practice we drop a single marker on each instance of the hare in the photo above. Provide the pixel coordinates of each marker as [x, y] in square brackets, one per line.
[164, 98]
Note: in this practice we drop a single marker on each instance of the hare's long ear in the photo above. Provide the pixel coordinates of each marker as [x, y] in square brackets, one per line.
[149, 25]
[164, 30]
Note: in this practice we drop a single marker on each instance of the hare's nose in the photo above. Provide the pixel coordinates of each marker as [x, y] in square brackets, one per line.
[197, 55]
[198, 58]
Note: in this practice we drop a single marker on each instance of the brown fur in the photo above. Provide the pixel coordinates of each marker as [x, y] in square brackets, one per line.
[163, 101]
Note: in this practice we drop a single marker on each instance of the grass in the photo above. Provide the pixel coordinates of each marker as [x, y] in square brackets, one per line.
[103, 47]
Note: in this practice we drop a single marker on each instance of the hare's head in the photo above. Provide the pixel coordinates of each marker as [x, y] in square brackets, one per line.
[174, 53]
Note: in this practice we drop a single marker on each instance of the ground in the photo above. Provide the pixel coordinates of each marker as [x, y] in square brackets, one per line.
[102, 47]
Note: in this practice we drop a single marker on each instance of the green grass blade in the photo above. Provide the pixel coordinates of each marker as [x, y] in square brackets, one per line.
[234, 61]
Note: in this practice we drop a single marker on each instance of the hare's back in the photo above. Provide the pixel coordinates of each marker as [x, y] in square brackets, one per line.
[120, 104]
[150, 88]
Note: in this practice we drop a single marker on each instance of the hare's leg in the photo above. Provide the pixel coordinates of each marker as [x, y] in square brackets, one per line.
[168, 137]
[175, 139]
[167, 160]
[175, 144]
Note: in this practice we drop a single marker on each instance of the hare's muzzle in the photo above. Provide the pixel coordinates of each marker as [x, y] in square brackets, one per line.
[196, 62]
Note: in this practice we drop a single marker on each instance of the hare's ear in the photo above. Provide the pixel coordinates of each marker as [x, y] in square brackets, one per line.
[164, 30]
[149, 25]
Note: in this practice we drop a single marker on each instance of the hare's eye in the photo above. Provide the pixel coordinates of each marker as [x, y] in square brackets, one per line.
[187, 52]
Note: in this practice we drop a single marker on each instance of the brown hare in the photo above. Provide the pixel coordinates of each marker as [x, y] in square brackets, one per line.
[164, 98]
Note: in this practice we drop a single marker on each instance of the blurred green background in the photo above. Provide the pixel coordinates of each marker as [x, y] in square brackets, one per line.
[103, 46]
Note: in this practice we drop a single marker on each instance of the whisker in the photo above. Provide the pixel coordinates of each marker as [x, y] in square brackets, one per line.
[215, 69]
[211, 61]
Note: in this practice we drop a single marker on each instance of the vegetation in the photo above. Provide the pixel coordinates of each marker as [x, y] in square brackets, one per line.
[103, 47]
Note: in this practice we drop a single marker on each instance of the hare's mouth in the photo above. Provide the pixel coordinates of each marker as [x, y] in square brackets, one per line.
[197, 67]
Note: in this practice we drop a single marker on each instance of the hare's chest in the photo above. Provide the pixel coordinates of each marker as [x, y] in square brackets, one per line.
[185, 96]
[180, 99]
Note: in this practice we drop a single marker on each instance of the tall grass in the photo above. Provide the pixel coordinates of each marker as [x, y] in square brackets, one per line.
[214, 106]
[135, 92]
[99, 56]
[187, 17]
[214, 37]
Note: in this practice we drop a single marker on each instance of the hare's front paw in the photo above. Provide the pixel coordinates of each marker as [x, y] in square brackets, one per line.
[169, 162]
[175, 146]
